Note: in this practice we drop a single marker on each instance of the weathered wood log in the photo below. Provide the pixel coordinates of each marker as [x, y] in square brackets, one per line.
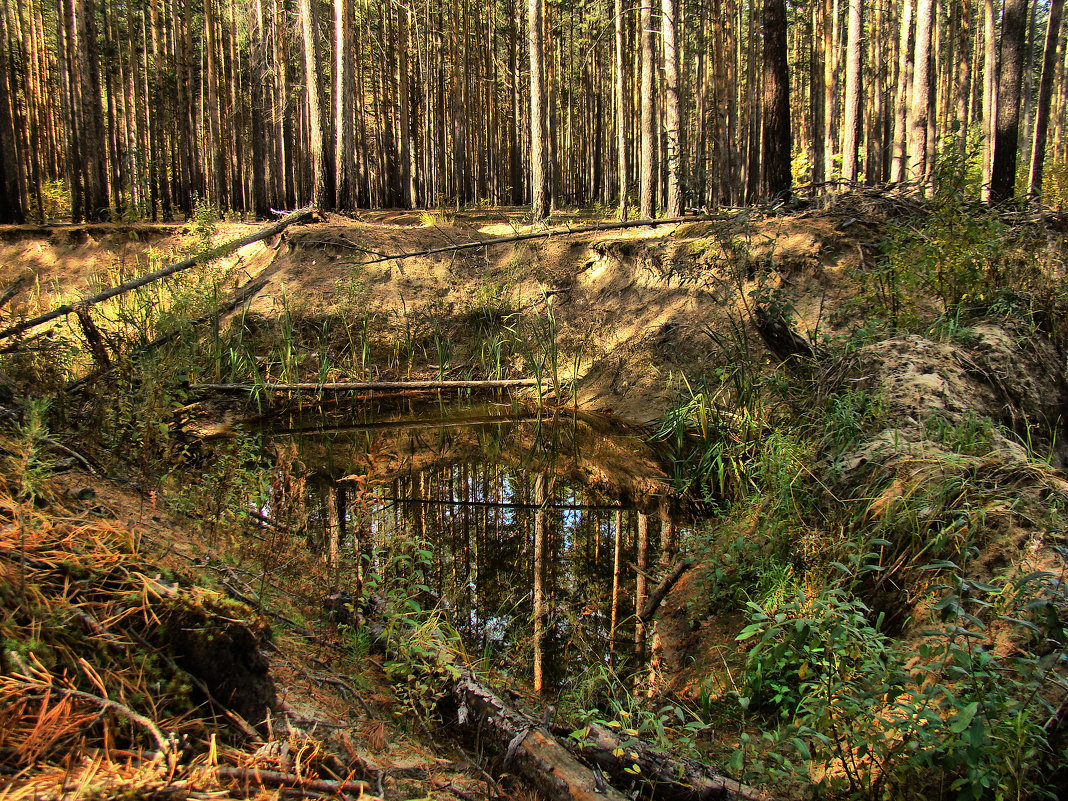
[224, 249]
[526, 747]
[546, 234]
[789, 346]
[626, 761]
[662, 590]
[367, 386]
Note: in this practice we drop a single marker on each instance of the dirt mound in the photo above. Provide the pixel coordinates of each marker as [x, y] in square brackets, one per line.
[1014, 378]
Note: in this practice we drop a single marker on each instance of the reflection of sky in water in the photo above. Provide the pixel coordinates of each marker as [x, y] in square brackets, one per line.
[470, 494]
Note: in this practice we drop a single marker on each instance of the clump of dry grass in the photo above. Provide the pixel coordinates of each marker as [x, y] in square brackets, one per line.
[92, 694]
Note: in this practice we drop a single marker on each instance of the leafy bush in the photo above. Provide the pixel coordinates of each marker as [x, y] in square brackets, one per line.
[947, 717]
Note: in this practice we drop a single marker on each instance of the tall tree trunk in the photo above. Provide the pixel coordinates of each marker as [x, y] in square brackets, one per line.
[647, 178]
[963, 79]
[830, 83]
[776, 106]
[94, 153]
[817, 57]
[541, 173]
[1045, 92]
[622, 110]
[990, 109]
[920, 95]
[404, 124]
[257, 84]
[313, 94]
[852, 109]
[344, 102]
[899, 167]
[672, 148]
[1010, 74]
[11, 193]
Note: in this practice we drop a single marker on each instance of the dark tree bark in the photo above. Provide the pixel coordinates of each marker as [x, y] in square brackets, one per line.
[1045, 93]
[11, 210]
[1010, 75]
[776, 106]
[94, 152]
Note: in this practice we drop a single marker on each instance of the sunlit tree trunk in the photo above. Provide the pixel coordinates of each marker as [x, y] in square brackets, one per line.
[990, 108]
[541, 172]
[344, 103]
[313, 98]
[672, 147]
[852, 108]
[648, 176]
[920, 94]
[899, 166]
[1045, 92]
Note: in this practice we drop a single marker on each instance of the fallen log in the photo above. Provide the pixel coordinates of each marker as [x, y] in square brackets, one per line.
[658, 595]
[367, 386]
[208, 256]
[239, 297]
[546, 234]
[527, 748]
[627, 761]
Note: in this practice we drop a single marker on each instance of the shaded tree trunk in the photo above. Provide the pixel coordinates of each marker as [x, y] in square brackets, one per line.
[622, 109]
[1010, 75]
[776, 105]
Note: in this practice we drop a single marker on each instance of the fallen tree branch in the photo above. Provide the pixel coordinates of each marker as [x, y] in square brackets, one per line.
[208, 256]
[367, 386]
[582, 229]
[165, 746]
[662, 590]
[242, 294]
[275, 778]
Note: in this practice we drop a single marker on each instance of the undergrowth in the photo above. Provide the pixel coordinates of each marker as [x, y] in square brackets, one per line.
[885, 658]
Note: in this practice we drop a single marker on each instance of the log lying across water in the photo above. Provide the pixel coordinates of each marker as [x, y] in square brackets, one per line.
[367, 386]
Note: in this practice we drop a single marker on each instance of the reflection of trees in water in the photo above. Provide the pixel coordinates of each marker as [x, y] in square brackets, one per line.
[542, 574]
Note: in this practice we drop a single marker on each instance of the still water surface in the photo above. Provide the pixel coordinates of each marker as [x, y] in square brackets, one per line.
[540, 536]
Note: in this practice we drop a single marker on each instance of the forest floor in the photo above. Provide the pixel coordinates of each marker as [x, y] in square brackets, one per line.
[637, 323]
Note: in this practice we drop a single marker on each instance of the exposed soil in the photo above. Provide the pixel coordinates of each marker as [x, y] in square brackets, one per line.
[635, 310]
